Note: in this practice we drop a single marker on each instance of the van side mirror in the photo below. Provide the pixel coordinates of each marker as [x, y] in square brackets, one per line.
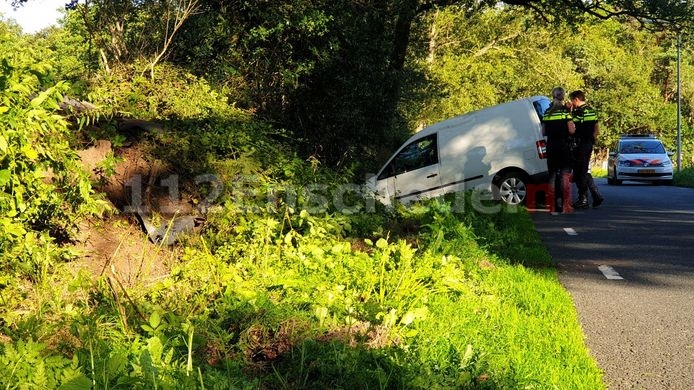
[613, 154]
[670, 154]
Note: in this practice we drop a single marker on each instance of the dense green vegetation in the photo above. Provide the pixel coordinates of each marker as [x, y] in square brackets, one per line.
[284, 105]
[332, 74]
[684, 177]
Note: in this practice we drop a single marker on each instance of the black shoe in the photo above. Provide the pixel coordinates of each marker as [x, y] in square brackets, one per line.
[581, 204]
[597, 200]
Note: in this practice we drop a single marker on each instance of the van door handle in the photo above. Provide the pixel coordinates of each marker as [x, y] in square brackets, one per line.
[432, 175]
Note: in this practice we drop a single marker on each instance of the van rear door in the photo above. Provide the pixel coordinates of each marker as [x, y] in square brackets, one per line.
[414, 171]
[541, 104]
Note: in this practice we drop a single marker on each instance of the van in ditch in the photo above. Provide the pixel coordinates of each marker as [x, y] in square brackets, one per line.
[499, 150]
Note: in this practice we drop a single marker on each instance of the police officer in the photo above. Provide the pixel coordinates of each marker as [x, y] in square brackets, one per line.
[586, 120]
[558, 126]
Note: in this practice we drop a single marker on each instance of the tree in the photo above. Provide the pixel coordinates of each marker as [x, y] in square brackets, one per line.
[319, 68]
[331, 71]
[497, 55]
[494, 56]
[121, 32]
[662, 14]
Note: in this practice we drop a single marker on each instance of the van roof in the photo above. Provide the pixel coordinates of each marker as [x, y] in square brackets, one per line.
[457, 120]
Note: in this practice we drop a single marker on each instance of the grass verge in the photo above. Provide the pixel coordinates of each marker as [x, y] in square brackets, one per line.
[684, 178]
[414, 298]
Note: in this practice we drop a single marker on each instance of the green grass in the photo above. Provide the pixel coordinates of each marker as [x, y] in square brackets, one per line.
[412, 298]
[522, 331]
[598, 172]
[475, 305]
[684, 178]
[516, 321]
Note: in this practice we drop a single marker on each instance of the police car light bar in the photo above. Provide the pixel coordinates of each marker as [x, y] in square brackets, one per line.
[637, 136]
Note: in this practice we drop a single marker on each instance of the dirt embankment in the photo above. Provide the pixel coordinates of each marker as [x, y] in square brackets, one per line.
[129, 176]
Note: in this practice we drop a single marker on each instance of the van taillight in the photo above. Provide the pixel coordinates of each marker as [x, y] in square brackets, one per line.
[541, 149]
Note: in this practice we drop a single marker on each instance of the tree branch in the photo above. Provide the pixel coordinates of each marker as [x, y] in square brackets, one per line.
[183, 11]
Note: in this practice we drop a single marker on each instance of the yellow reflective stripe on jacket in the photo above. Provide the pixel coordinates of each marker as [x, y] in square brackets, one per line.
[588, 115]
[557, 116]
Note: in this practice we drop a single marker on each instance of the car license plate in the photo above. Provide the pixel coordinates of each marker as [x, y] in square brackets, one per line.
[646, 170]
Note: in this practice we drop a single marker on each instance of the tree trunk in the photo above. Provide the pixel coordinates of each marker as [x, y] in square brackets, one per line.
[433, 35]
[401, 38]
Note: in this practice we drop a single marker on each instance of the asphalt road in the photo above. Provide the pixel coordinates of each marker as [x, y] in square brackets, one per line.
[639, 328]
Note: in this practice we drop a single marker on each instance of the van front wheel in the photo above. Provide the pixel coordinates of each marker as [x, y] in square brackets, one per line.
[512, 188]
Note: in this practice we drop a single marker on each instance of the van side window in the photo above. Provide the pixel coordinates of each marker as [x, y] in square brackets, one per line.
[418, 154]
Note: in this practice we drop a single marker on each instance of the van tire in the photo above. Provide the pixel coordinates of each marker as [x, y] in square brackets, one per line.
[511, 187]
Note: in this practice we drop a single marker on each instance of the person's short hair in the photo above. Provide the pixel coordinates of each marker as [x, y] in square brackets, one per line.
[577, 94]
[558, 93]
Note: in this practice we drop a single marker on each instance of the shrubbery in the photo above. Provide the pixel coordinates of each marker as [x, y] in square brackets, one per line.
[43, 191]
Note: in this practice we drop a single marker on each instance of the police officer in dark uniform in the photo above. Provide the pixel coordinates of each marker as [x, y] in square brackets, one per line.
[586, 120]
[558, 126]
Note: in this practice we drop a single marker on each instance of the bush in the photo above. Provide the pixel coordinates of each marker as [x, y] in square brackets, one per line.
[43, 191]
[171, 94]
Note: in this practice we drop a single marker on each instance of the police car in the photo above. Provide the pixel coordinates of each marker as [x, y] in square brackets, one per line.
[639, 158]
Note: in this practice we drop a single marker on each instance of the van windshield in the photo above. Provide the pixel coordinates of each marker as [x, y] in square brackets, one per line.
[541, 105]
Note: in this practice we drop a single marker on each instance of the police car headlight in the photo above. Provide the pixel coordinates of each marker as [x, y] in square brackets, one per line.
[667, 163]
[624, 163]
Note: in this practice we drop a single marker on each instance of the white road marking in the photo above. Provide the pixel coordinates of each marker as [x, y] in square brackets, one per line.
[570, 232]
[609, 272]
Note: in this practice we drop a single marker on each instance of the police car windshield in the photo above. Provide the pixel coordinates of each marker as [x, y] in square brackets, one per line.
[641, 147]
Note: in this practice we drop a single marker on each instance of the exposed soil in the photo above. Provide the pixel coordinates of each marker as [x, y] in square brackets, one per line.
[118, 244]
[362, 333]
[119, 247]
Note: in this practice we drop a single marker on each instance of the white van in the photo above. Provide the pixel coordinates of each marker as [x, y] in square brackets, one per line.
[498, 149]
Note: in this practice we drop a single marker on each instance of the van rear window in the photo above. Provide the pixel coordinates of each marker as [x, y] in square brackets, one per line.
[541, 105]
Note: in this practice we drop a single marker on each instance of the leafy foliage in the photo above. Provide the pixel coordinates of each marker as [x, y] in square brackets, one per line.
[331, 74]
[287, 287]
[29, 364]
[475, 61]
[685, 177]
[43, 189]
[484, 59]
[173, 94]
[318, 68]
